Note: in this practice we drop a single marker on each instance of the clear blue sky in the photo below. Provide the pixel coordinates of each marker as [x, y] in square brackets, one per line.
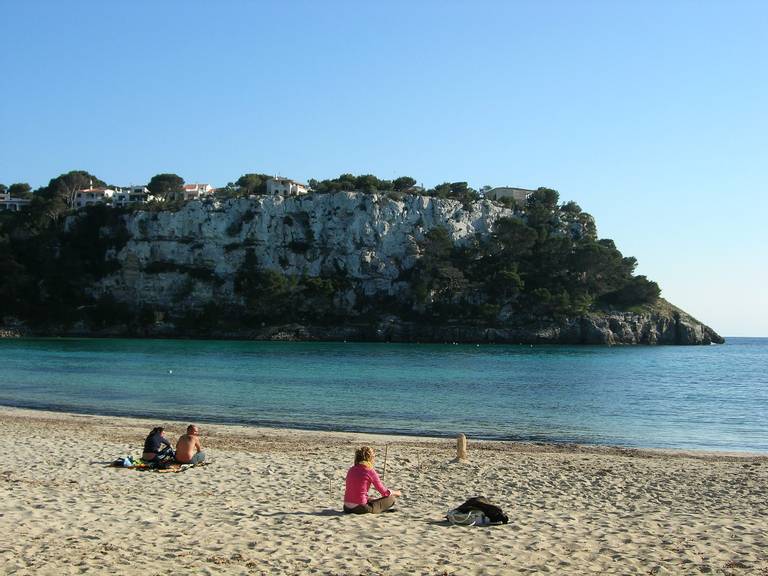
[653, 116]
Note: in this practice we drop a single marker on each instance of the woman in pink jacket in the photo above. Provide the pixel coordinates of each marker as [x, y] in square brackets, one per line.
[359, 479]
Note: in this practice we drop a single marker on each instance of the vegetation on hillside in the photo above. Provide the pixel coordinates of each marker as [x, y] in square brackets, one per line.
[543, 262]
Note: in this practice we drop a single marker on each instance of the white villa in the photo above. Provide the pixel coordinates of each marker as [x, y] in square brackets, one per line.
[285, 187]
[91, 195]
[195, 191]
[519, 195]
[115, 196]
[7, 203]
[131, 195]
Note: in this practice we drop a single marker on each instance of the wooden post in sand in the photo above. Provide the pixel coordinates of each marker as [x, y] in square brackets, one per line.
[461, 447]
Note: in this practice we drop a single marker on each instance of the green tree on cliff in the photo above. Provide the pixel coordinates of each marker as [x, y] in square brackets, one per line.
[166, 187]
[252, 183]
[20, 190]
[66, 185]
[50, 202]
[403, 183]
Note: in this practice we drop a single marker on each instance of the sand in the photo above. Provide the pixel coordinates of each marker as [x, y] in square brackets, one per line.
[269, 503]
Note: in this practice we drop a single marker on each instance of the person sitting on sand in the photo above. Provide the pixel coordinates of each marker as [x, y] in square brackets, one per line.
[359, 479]
[188, 448]
[156, 446]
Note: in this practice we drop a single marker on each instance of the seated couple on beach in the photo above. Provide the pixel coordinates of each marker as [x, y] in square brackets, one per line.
[359, 479]
[188, 449]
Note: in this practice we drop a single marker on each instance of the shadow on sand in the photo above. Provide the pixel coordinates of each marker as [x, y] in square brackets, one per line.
[326, 512]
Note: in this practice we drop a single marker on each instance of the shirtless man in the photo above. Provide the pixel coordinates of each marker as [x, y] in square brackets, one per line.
[188, 448]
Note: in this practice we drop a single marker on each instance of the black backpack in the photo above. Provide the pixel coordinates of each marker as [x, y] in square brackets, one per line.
[493, 512]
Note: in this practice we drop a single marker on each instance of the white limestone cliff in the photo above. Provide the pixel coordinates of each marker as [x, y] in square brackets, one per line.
[367, 237]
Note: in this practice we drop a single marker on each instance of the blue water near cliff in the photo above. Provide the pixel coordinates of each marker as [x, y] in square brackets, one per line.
[702, 397]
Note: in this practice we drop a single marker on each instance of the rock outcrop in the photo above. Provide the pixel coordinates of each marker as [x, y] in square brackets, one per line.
[608, 329]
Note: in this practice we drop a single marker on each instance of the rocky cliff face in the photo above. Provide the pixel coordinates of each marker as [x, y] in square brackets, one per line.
[190, 257]
[186, 259]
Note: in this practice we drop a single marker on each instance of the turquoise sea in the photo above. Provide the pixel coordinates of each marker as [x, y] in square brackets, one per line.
[701, 397]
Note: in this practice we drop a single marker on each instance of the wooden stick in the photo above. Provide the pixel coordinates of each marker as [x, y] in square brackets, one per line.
[384, 472]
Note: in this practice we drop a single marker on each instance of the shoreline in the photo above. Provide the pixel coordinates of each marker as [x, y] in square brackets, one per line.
[10, 335]
[232, 429]
[270, 502]
[658, 325]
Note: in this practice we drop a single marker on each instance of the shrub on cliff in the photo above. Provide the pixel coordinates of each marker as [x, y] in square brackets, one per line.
[57, 264]
[270, 296]
[532, 265]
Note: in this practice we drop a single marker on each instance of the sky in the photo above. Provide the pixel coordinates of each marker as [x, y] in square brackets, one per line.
[651, 115]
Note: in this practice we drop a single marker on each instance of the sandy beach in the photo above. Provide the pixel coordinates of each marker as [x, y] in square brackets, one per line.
[270, 501]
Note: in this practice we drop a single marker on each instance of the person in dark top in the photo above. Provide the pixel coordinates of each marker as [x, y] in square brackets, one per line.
[156, 446]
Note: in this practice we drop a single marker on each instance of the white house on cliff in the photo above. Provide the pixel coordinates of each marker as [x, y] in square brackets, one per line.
[131, 195]
[89, 196]
[285, 187]
[195, 191]
[7, 202]
[519, 195]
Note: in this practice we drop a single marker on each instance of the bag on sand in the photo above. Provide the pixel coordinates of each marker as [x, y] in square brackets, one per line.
[469, 518]
[467, 513]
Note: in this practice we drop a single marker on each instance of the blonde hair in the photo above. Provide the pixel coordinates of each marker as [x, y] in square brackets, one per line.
[364, 454]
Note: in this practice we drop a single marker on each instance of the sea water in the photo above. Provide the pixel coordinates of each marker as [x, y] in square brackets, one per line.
[698, 397]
